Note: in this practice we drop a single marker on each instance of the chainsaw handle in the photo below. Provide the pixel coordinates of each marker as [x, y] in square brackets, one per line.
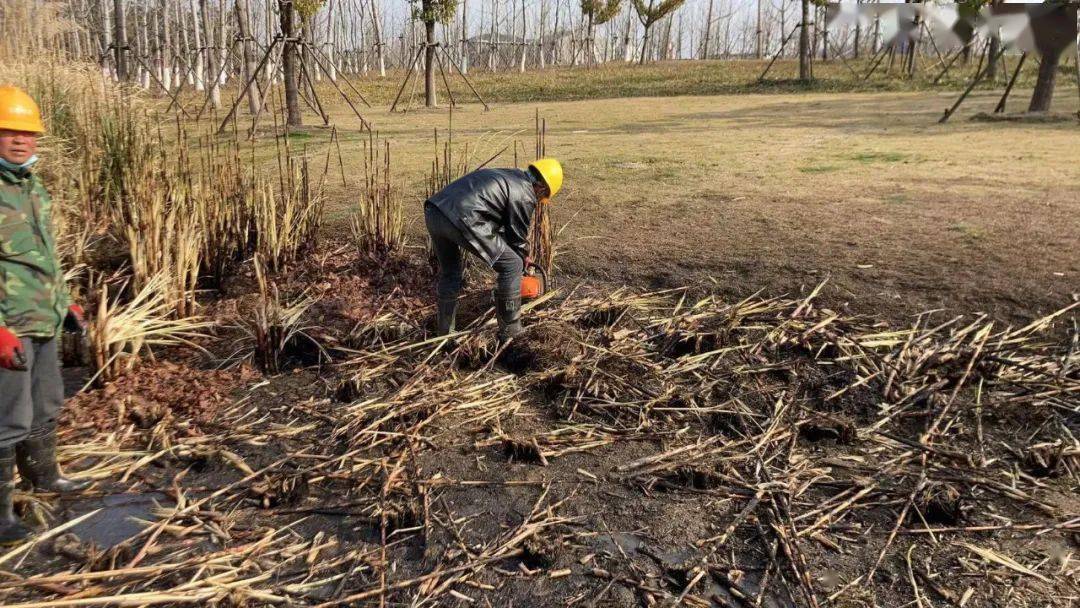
[533, 266]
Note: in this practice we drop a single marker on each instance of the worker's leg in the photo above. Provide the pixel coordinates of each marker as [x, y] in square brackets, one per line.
[442, 232]
[16, 415]
[510, 268]
[36, 455]
[16, 400]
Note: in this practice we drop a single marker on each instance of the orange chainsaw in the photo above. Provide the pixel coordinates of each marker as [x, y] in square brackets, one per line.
[534, 283]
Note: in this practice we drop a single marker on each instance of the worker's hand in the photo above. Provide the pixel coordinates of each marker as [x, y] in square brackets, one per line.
[76, 319]
[12, 356]
[528, 262]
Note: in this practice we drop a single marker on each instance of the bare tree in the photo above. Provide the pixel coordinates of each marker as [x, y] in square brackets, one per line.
[649, 14]
[597, 12]
[430, 12]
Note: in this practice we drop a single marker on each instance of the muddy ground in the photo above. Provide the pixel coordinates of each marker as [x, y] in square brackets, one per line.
[636, 451]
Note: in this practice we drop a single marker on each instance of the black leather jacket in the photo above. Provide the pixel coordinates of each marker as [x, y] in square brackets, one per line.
[493, 208]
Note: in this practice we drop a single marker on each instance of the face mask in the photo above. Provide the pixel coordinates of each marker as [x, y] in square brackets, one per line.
[19, 168]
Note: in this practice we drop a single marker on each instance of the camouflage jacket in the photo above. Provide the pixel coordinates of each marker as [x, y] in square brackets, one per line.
[33, 296]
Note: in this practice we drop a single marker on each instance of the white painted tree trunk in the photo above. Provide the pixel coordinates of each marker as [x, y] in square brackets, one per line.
[247, 50]
[209, 63]
[142, 38]
[524, 39]
[331, 43]
[464, 36]
[221, 65]
[197, 25]
[377, 31]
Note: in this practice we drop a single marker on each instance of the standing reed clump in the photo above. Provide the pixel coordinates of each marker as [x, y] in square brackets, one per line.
[287, 220]
[378, 227]
[121, 332]
[274, 324]
[541, 237]
[222, 190]
[445, 168]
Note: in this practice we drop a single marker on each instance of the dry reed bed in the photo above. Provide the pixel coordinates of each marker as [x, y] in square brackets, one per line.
[942, 454]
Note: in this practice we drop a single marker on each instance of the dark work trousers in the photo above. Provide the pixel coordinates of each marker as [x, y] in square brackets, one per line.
[449, 243]
[31, 399]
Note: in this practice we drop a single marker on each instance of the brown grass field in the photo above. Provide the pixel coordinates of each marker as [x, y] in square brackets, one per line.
[777, 192]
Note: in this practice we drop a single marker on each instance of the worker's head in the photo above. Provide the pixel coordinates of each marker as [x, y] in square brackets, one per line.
[20, 125]
[548, 176]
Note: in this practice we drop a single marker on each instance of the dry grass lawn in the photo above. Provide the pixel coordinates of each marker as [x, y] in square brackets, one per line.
[779, 192]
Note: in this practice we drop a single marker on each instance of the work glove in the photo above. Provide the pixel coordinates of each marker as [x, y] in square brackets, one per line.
[12, 356]
[75, 322]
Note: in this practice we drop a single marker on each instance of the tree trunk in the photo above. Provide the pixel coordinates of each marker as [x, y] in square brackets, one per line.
[628, 48]
[429, 57]
[143, 43]
[758, 52]
[708, 32]
[200, 53]
[154, 23]
[243, 26]
[858, 36]
[376, 30]
[331, 44]
[494, 35]
[223, 47]
[824, 35]
[1076, 64]
[464, 37]
[541, 26]
[589, 33]
[524, 38]
[804, 42]
[105, 32]
[293, 117]
[991, 66]
[209, 64]
[1044, 86]
[120, 40]
[645, 45]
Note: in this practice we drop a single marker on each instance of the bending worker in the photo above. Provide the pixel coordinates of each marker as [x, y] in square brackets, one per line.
[34, 307]
[488, 213]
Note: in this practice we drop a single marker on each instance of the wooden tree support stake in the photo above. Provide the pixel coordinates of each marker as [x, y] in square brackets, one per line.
[1008, 88]
[783, 45]
[247, 87]
[978, 78]
[405, 81]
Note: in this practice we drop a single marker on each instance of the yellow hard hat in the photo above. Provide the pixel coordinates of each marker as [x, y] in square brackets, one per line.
[551, 171]
[19, 111]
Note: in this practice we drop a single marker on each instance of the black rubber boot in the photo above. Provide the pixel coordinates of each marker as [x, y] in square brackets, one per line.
[446, 316]
[36, 456]
[508, 313]
[12, 530]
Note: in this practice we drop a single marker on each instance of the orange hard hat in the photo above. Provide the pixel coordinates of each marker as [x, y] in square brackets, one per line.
[19, 111]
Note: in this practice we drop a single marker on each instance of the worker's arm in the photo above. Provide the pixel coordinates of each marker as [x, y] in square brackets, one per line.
[3, 276]
[519, 214]
[3, 291]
